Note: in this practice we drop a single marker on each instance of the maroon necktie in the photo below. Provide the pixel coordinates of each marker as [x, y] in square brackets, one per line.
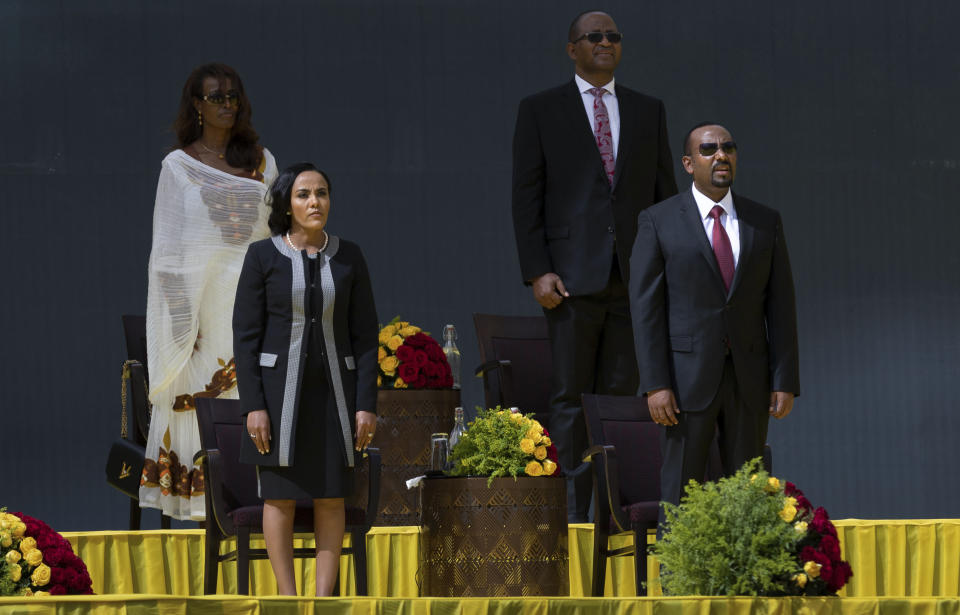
[721, 247]
[601, 130]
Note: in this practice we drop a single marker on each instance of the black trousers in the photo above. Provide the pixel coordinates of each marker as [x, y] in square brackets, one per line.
[741, 432]
[592, 349]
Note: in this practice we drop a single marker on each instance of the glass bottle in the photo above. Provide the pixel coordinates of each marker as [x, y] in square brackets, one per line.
[458, 427]
[453, 353]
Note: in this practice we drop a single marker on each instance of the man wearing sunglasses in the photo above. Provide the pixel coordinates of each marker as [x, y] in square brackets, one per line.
[714, 316]
[588, 156]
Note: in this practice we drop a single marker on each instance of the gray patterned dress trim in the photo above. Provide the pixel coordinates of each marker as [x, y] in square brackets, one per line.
[329, 337]
[298, 321]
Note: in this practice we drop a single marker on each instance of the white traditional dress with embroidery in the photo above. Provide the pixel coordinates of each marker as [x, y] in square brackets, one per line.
[203, 221]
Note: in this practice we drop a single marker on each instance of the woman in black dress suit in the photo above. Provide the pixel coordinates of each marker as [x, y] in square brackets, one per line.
[305, 341]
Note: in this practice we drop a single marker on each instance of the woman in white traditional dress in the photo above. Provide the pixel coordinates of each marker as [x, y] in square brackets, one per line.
[209, 208]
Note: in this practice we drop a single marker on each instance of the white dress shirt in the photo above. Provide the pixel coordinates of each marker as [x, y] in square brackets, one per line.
[728, 219]
[609, 100]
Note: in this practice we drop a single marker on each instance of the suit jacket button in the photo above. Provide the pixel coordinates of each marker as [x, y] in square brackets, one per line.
[313, 320]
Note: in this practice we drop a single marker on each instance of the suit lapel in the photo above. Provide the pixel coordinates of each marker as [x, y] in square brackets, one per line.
[691, 216]
[745, 221]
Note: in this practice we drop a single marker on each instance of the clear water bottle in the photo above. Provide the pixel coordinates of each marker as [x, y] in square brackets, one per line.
[458, 427]
[453, 353]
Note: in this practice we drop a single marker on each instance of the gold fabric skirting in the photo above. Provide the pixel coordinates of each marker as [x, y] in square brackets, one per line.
[897, 558]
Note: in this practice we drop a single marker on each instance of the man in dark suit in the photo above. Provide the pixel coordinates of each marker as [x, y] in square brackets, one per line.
[714, 316]
[588, 156]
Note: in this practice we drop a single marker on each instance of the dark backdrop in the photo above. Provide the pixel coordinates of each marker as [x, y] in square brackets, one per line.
[844, 112]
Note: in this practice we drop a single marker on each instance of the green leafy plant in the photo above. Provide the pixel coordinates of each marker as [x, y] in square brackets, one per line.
[733, 537]
[500, 443]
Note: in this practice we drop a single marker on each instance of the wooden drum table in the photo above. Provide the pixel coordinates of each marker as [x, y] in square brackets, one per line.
[508, 539]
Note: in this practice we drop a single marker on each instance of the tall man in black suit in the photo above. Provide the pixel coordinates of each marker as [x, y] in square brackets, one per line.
[588, 156]
[713, 314]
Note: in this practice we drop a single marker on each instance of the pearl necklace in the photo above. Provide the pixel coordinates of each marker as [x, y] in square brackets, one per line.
[326, 240]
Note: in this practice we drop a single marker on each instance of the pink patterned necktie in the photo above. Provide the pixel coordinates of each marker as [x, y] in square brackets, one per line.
[721, 247]
[601, 130]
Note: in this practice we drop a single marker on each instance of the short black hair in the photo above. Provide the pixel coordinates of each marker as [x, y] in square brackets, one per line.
[278, 197]
[575, 24]
[686, 139]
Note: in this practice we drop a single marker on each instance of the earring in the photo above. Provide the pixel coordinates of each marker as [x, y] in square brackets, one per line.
[200, 119]
[288, 212]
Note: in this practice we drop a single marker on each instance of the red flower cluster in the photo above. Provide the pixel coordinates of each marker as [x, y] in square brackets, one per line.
[820, 545]
[68, 574]
[423, 364]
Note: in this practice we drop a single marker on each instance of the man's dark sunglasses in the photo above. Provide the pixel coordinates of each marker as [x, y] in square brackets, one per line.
[219, 98]
[596, 37]
[709, 149]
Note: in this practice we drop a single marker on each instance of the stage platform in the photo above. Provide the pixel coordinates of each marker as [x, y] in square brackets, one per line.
[901, 567]
[238, 605]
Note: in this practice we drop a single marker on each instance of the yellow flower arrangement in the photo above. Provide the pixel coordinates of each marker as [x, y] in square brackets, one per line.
[24, 570]
[800, 579]
[503, 443]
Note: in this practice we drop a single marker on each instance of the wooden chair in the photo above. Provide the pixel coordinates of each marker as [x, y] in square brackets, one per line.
[626, 458]
[234, 509]
[625, 455]
[135, 336]
[516, 364]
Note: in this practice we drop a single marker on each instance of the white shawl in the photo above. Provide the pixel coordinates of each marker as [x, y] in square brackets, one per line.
[203, 221]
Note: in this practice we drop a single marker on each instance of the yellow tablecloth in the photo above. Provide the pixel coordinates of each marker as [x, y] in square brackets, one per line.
[889, 558]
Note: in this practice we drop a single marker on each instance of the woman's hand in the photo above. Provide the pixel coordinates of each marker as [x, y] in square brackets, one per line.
[366, 426]
[258, 426]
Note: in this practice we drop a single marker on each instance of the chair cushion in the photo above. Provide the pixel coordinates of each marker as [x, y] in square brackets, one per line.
[642, 513]
[252, 516]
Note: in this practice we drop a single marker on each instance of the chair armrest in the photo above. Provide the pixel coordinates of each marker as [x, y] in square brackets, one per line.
[606, 473]
[373, 486]
[490, 366]
[213, 474]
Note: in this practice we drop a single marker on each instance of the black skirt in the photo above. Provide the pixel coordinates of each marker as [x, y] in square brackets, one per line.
[318, 469]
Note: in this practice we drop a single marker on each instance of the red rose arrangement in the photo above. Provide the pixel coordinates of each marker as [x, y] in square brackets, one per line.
[37, 561]
[818, 551]
[410, 358]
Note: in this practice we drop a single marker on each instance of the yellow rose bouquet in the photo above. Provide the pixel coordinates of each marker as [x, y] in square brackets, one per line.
[409, 358]
[37, 561]
[501, 443]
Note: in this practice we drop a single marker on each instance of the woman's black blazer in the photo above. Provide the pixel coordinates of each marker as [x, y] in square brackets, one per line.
[275, 310]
